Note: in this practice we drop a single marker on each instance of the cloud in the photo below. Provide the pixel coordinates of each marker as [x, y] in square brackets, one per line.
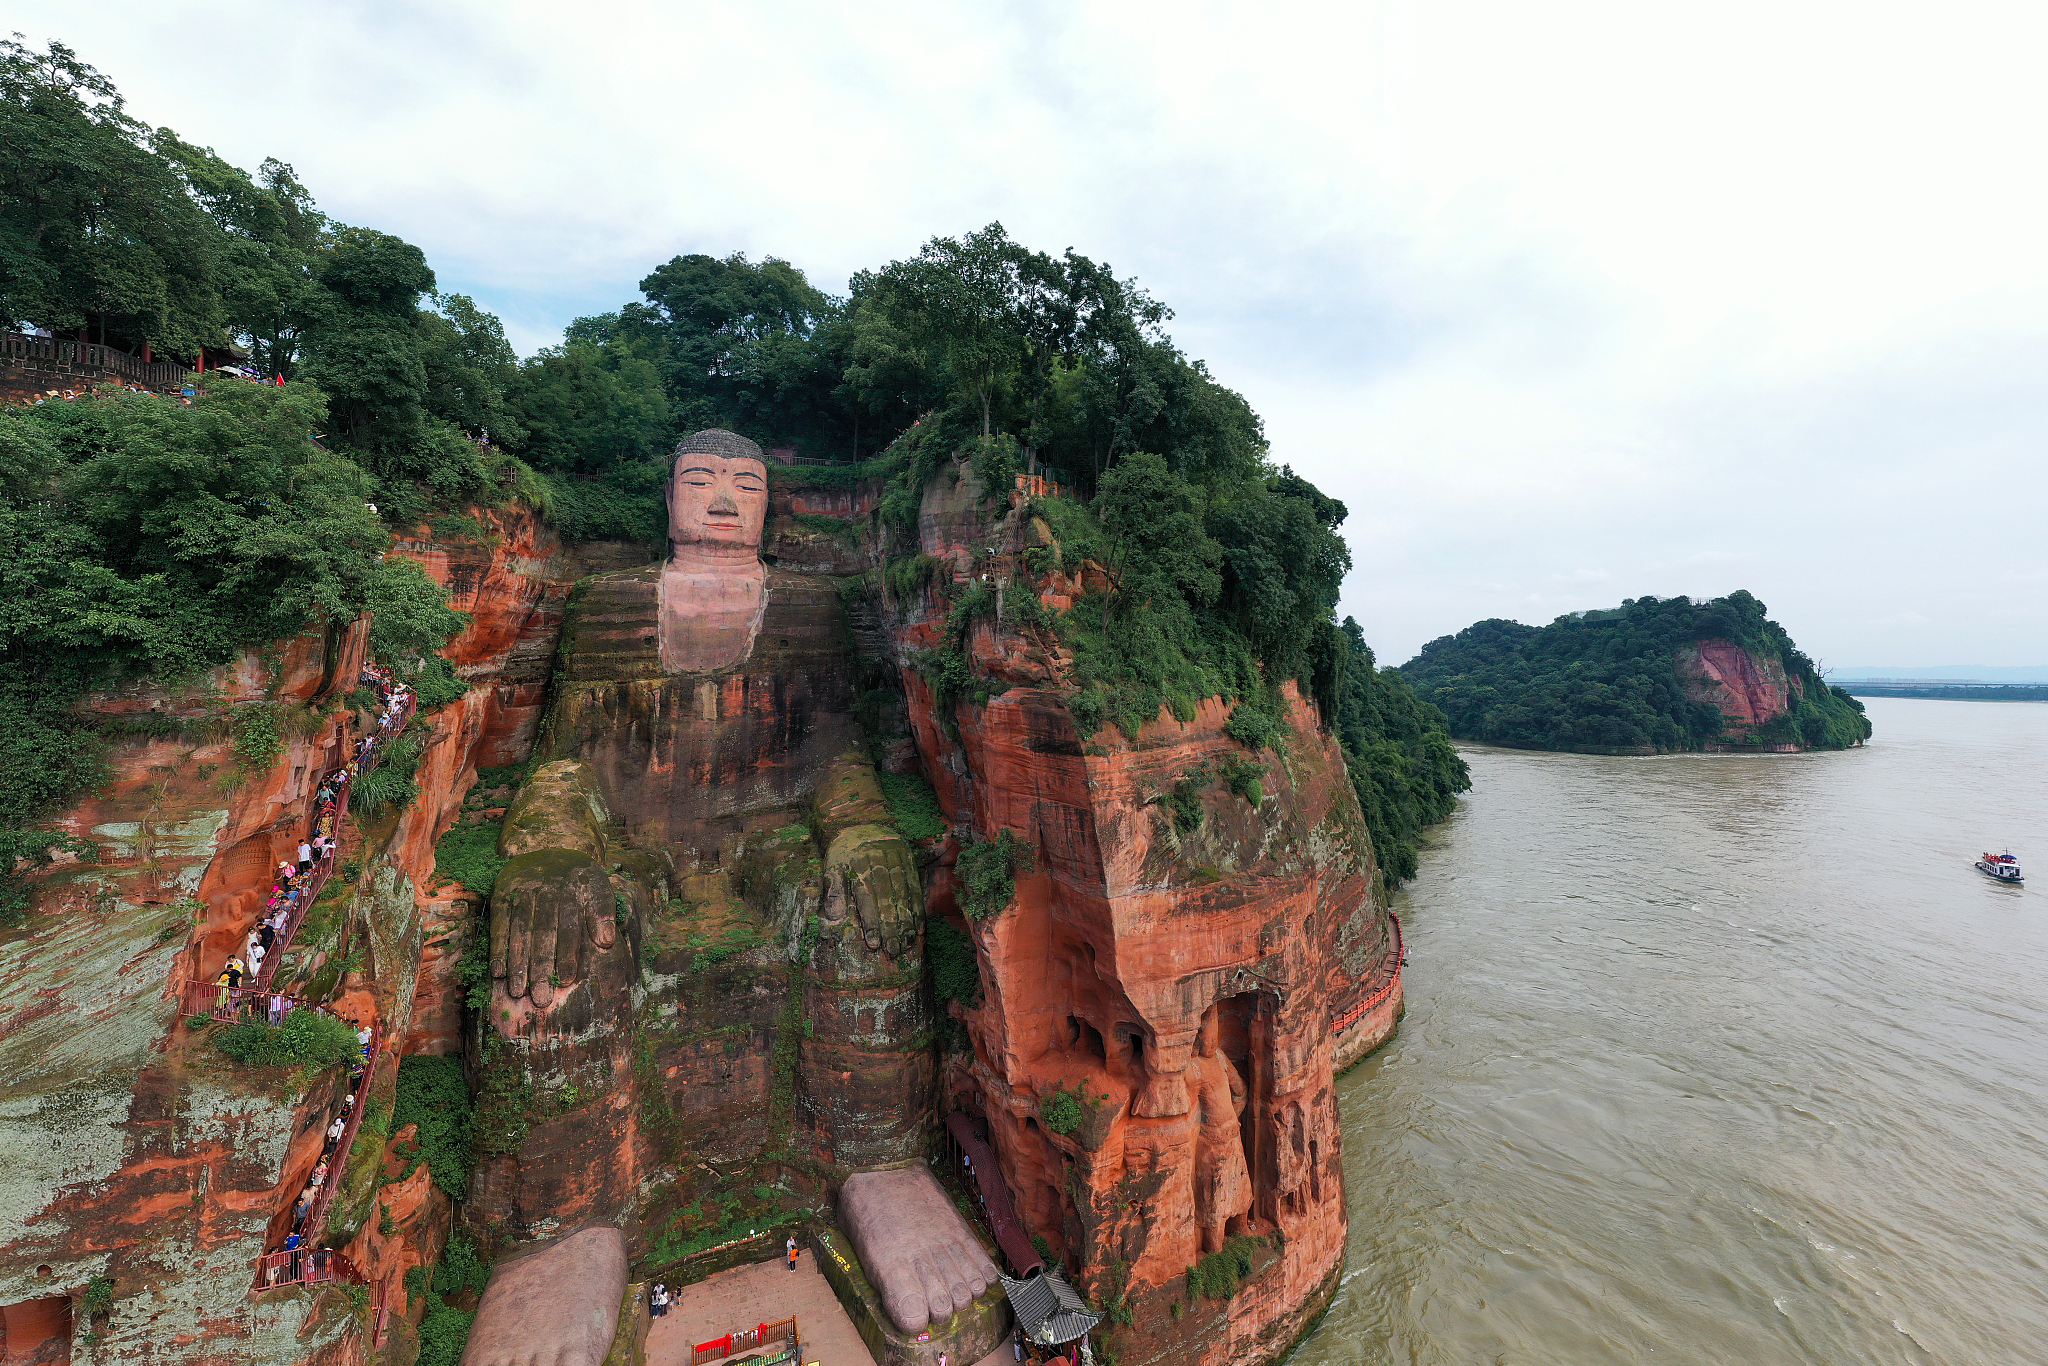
[1741, 296]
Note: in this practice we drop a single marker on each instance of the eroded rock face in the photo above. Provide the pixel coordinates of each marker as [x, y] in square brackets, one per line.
[1749, 691]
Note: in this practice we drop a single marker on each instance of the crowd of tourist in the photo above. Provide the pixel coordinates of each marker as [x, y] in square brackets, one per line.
[331, 1143]
[295, 881]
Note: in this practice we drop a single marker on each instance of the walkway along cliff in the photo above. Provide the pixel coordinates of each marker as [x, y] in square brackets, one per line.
[709, 958]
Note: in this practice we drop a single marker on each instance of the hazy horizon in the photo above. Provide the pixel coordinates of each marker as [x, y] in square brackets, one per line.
[1568, 304]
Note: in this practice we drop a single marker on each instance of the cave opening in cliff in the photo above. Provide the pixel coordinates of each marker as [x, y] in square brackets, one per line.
[1086, 1038]
[1132, 1037]
[36, 1331]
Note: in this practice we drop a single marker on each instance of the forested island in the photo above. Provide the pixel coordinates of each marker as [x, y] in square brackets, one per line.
[1652, 675]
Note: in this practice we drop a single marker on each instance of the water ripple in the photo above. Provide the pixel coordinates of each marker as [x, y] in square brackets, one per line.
[1716, 1060]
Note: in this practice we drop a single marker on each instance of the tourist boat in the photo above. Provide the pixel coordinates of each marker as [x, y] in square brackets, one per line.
[2004, 867]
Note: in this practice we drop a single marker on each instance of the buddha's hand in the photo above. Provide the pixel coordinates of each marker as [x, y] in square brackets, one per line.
[552, 912]
[873, 896]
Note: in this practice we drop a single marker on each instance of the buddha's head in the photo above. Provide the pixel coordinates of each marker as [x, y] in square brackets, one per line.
[717, 494]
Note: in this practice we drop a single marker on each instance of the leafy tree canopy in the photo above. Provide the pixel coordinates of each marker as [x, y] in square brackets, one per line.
[1403, 766]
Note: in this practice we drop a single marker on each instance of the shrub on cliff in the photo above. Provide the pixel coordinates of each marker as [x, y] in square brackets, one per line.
[444, 1329]
[468, 854]
[1216, 1276]
[912, 805]
[1061, 1110]
[986, 873]
[306, 1038]
[434, 1094]
[955, 976]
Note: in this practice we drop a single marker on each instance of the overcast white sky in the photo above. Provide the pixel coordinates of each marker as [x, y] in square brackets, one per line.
[1568, 302]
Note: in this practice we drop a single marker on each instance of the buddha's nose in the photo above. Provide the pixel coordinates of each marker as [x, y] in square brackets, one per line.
[723, 503]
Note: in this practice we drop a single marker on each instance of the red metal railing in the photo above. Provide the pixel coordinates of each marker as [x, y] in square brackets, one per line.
[301, 1266]
[227, 1003]
[317, 1216]
[753, 1339]
[324, 868]
[305, 1266]
[309, 1265]
[1393, 965]
[224, 1003]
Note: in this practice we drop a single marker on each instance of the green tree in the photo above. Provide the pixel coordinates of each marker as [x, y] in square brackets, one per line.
[961, 301]
[470, 369]
[97, 231]
[363, 339]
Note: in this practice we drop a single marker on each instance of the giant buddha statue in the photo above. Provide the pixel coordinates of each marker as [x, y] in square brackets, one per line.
[703, 787]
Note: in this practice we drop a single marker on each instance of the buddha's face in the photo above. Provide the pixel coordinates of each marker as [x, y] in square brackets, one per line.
[715, 500]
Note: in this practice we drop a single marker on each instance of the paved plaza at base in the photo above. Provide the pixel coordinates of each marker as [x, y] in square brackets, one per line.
[761, 1293]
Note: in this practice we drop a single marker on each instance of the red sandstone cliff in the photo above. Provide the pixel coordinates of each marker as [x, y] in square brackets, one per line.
[141, 1155]
[1184, 984]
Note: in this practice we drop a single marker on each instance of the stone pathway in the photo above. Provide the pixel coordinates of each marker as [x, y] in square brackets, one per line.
[761, 1293]
[1003, 1355]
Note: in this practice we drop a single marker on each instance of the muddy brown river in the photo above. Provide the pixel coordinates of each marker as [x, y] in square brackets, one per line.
[1716, 1059]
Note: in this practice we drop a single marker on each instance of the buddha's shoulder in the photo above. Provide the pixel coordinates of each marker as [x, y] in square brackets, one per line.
[622, 588]
[612, 626]
[789, 588]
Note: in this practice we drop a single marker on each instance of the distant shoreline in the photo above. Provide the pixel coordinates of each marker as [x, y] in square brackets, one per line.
[1973, 692]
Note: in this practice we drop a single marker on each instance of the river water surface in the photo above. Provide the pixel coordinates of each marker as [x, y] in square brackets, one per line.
[1716, 1059]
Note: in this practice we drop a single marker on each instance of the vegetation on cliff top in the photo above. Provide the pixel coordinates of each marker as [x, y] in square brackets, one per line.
[140, 535]
[145, 536]
[1402, 765]
[1610, 679]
